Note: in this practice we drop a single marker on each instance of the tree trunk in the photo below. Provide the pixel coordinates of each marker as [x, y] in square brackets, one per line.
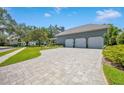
[39, 43]
[26, 43]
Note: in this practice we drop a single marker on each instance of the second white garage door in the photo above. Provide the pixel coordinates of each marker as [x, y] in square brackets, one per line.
[95, 42]
[80, 43]
[69, 43]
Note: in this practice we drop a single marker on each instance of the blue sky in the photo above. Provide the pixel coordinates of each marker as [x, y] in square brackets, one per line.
[67, 17]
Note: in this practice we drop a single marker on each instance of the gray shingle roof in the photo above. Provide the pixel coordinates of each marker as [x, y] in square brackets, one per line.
[83, 28]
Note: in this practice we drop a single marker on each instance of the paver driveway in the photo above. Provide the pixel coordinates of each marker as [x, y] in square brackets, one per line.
[57, 66]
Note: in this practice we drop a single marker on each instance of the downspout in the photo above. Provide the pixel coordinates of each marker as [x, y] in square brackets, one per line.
[74, 43]
[86, 42]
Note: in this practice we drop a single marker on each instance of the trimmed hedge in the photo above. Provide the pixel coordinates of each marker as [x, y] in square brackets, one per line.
[115, 54]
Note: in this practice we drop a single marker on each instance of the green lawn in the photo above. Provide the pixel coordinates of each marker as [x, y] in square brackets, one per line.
[113, 75]
[7, 52]
[28, 53]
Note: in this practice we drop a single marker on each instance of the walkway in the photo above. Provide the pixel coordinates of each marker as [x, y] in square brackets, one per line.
[3, 58]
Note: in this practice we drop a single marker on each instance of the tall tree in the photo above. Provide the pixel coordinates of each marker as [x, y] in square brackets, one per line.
[111, 35]
[2, 39]
[53, 30]
[7, 21]
[120, 38]
[39, 35]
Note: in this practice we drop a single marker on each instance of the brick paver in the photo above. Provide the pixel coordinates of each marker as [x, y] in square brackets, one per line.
[57, 66]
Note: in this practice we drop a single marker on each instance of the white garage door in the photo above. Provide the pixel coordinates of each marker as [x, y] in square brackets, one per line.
[80, 43]
[69, 43]
[95, 42]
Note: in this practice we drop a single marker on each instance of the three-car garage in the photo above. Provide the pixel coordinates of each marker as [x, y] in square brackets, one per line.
[86, 36]
[91, 42]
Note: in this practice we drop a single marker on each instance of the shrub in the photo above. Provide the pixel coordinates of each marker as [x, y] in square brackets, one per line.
[115, 54]
[120, 39]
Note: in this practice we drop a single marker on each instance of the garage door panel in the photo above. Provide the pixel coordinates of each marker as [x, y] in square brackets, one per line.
[69, 43]
[95, 42]
[80, 43]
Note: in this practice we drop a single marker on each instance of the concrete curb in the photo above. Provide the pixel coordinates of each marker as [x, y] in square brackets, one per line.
[103, 60]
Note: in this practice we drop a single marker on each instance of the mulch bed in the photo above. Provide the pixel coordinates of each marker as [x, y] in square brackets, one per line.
[116, 65]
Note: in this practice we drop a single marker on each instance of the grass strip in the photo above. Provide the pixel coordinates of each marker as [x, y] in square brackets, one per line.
[26, 54]
[114, 76]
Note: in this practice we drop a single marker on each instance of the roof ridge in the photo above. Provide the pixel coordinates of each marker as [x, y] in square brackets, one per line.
[84, 28]
[84, 25]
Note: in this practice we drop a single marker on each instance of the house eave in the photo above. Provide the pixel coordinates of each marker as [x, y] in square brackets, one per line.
[81, 32]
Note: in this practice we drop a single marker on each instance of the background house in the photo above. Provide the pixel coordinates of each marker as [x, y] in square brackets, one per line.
[3, 35]
[85, 36]
[13, 39]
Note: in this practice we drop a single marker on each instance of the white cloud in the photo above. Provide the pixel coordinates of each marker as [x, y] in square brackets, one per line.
[107, 14]
[58, 9]
[47, 15]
